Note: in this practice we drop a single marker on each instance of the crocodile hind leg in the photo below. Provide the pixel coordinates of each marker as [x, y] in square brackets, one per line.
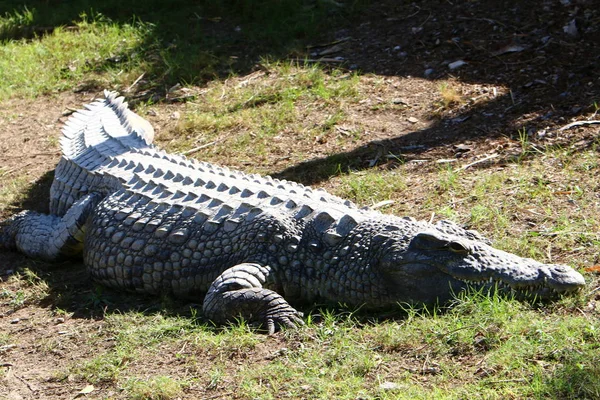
[239, 292]
[49, 237]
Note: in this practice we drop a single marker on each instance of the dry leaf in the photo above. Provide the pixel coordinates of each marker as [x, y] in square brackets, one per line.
[594, 268]
[513, 48]
[86, 390]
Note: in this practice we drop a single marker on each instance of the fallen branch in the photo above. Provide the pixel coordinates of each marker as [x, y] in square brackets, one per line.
[476, 162]
[204, 146]
[139, 78]
[578, 123]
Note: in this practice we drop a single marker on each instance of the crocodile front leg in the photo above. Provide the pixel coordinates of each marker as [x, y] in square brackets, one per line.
[239, 292]
[49, 237]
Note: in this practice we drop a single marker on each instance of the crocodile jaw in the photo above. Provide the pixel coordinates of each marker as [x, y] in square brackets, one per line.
[435, 266]
[526, 276]
[432, 285]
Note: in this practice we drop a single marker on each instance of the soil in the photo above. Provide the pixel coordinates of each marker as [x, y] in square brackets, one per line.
[530, 66]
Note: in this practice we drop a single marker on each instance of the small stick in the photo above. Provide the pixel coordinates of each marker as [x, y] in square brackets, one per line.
[7, 172]
[382, 204]
[432, 217]
[578, 123]
[476, 162]
[507, 381]
[7, 347]
[195, 149]
[139, 78]
[48, 153]
[319, 60]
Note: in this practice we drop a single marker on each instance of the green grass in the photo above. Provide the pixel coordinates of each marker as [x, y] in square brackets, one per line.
[14, 22]
[97, 51]
[245, 116]
[484, 346]
[52, 47]
[369, 187]
[12, 190]
[22, 289]
[157, 388]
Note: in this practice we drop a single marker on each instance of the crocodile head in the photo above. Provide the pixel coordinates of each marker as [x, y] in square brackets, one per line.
[435, 265]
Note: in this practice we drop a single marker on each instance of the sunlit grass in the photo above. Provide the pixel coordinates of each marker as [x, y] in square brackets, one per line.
[99, 51]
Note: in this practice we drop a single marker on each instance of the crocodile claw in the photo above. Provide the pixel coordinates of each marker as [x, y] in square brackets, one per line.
[289, 318]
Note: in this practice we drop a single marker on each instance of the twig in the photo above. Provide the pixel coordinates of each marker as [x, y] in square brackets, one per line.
[383, 203]
[330, 43]
[507, 380]
[459, 329]
[578, 123]
[195, 149]
[223, 89]
[220, 395]
[139, 78]
[249, 78]
[413, 14]
[593, 291]
[10, 171]
[182, 348]
[7, 172]
[26, 383]
[31, 155]
[582, 313]
[476, 162]
[318, 60]
[482, 360]
[7, 347]
[424, 22]
[566, 233]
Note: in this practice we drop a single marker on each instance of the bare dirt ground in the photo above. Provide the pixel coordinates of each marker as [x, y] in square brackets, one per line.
[516, 65]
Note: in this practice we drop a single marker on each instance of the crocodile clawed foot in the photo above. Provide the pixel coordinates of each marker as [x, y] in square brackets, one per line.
[289, 318]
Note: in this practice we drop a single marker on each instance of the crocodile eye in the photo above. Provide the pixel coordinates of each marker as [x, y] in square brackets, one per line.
[457, 247]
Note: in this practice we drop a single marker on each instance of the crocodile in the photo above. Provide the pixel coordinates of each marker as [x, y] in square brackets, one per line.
[250, 246]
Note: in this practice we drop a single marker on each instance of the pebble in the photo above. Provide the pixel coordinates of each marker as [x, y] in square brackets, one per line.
[428, 72]
[571, 28]
[456, 64]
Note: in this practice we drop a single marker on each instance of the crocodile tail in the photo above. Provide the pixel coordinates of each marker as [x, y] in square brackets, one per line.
[91, 139]
[107, 125]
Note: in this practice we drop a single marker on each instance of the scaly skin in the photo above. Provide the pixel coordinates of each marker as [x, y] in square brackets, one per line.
[152, 222]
